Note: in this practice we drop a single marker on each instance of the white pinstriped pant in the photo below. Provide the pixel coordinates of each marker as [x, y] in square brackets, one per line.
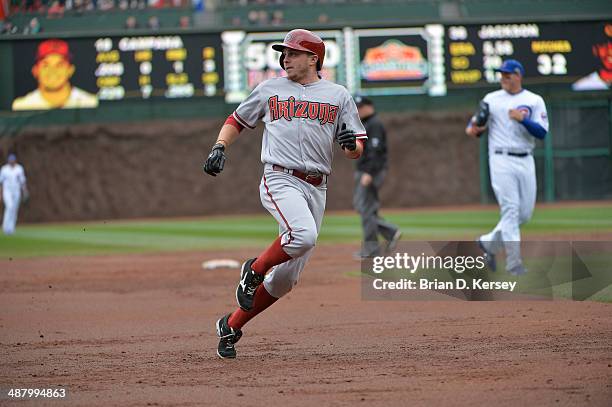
[11, 199]
[514, 182]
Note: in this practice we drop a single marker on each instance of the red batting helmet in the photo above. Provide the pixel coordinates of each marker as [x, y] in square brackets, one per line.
[302, 40]
[53, 46]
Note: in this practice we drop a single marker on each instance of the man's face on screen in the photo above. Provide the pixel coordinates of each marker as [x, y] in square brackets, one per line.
[604, 52]
[53, 72]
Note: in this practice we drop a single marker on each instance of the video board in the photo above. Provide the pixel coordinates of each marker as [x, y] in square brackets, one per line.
[250, 59]
[575, 53]
[428, 59]
[84, 72]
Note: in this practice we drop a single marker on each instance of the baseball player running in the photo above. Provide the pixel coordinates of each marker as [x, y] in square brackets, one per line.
[303, 114]
[515, 117]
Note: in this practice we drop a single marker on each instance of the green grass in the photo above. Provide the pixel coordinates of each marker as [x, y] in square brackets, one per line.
[94, 238]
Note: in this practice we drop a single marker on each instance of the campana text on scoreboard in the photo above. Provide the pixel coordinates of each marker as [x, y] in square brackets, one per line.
[428, 59]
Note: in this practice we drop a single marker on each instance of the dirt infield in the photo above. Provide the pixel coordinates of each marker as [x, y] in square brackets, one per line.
[139, 330]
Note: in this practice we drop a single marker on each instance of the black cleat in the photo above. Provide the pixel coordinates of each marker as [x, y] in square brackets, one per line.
[228, 336]
[249, 281]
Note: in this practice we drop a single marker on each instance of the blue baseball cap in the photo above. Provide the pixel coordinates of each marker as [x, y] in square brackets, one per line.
[511, 66]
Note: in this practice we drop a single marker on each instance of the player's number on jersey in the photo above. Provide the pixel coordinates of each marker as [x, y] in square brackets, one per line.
[555, 64]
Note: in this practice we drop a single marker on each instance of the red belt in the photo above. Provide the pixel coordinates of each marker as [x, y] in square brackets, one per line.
[313, 178]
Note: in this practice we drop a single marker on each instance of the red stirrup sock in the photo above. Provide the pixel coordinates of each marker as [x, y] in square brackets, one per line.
[261, 301]
[272, 256]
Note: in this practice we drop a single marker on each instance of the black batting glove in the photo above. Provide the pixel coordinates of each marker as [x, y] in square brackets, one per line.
[347, 139]
[215, 161]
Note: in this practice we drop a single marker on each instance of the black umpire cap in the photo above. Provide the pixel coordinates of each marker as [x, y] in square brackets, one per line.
[362, 101]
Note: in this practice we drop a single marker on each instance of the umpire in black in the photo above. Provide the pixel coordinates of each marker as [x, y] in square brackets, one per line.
[369, 177]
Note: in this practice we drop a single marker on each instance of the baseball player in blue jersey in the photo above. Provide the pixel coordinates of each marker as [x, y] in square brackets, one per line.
[304, 116]
[515, 117]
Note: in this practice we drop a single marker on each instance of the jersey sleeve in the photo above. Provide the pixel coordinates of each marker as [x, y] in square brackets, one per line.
[350, 117]
[540, 115]
[251, 109]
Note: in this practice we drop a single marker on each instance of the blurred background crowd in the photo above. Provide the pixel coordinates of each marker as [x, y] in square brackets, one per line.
[259, 13]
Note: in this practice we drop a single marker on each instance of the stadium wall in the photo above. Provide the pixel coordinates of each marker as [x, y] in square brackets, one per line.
[150, 169]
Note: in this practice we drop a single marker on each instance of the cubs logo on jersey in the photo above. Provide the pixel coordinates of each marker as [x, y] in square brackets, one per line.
[526, 110]
[289, 109]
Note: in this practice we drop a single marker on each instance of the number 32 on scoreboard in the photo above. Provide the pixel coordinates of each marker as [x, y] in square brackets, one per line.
[555, 64]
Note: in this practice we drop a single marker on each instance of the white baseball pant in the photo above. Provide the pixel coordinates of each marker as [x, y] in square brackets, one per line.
[514, 182]
[298, 207]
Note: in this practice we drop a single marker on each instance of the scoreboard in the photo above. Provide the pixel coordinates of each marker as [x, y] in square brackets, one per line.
[250, 59]
[386, 61]
[171, 66]
[550, 52]
[429, 59]
[133, 67]
[432, 59]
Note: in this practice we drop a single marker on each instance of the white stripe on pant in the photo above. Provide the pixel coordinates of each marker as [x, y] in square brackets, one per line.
[298, 207]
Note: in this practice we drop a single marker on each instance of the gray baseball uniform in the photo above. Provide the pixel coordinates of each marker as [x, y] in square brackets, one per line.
[301, 122]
